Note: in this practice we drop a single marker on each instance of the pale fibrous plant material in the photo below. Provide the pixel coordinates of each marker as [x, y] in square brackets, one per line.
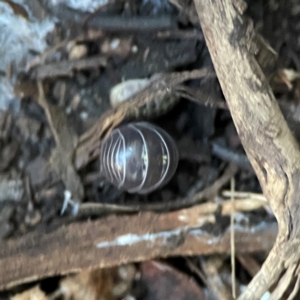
[20, 36]
[138, 157]
[128, 89]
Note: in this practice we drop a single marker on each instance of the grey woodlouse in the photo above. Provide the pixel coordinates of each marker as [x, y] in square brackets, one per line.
[138, 157]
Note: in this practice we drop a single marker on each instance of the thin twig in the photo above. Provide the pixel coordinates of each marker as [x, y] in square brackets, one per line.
[207, 193]
[232, 243]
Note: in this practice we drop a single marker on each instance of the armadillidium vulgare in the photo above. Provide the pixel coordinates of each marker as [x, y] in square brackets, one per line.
[138, 157]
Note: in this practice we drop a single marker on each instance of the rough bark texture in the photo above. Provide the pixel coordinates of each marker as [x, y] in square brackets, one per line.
[115, 240]
[269, 144]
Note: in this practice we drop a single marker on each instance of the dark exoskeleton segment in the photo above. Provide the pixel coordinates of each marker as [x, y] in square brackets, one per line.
[138, 157]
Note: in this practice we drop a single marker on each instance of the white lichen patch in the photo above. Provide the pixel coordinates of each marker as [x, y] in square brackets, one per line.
[130, 239]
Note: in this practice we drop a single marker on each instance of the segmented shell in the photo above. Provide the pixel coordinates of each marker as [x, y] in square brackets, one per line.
[138, 157]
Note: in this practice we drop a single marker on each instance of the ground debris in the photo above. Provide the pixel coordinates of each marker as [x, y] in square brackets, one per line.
[106, 284]
[61, 64]
[139, 237]
[66, 68]
[34, 293]
[164, 282]
[11, 187]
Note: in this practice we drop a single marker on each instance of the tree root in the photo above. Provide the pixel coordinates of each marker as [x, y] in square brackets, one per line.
[264, 133]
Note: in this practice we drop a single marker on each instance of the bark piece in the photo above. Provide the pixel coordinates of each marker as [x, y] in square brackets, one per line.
[165, 282]
[118, 240]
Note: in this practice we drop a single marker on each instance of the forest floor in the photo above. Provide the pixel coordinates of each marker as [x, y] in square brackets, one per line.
[65, 232]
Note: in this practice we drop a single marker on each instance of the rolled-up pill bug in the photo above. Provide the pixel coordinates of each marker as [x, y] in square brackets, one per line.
[138, 157]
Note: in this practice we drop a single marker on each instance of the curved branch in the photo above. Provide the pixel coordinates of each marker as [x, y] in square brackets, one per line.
[268, 142]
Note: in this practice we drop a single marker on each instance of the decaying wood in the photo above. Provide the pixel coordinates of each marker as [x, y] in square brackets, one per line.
[133, 24]
[67, 68]
[268, 142]
[249, 263]
[119, 239]
[66, 140]
[217, 276]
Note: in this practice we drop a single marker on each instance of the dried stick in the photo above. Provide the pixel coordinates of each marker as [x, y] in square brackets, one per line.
[119, 239]
[268, 142]
[66, 140]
